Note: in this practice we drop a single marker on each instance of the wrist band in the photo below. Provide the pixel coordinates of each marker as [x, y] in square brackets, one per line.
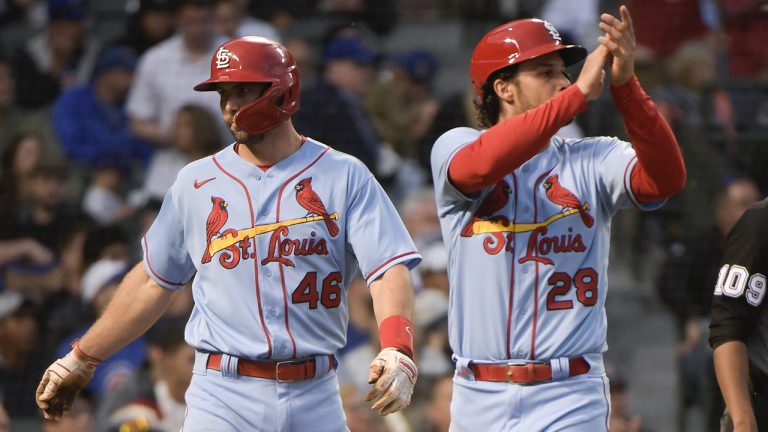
[396, 331]
[92, 361]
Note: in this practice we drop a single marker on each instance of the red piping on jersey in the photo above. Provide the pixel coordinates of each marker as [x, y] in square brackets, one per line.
[512, 276]
[536, 286]
[387, 262]
[277, 219]
[146, 246]
[628, 186]
[255, 251]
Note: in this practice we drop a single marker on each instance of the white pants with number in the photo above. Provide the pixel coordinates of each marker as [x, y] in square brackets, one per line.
[240, 403]
[577, 404]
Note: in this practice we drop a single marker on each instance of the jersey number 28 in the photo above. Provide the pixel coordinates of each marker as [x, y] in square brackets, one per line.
[585, 281]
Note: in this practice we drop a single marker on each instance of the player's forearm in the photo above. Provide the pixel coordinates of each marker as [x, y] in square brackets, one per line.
[138, 303]
[660, 171]
[392, 294]
[509, 144]
[393, 305]
[732, 369]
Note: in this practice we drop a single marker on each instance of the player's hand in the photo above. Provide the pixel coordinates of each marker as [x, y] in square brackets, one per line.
[393, 375]
[619, 38]
[592, 76]
[61, 383]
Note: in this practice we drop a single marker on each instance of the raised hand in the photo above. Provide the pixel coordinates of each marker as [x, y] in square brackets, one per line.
[619, 39]
[592, 76]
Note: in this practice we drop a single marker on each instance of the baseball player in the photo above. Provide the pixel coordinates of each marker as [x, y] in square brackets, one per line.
[739, 327]
[526, 218]
[270, 230]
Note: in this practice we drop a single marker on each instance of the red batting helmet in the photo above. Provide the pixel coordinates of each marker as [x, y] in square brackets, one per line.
[257, 60]
[515, 42]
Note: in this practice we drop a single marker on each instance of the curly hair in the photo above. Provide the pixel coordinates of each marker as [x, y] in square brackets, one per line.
[489, 107]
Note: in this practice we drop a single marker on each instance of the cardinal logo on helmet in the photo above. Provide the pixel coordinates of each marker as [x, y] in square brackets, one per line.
[222, 58]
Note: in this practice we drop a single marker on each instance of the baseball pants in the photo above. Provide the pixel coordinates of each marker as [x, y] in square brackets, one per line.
[577, 404]
[240, 403]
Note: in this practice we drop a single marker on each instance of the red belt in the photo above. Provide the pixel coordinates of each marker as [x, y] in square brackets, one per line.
[525, 373]
[291, 370]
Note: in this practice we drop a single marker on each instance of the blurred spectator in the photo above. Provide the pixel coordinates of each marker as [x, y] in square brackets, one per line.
[10, 115]
[167, 73]
[746, 26]
[456, 110]
[685, 286]
[401, 105]
[150, 23]
[690, 86]
[90, 120]
[438, 409]
[103, 199]
[304, 56]
[5, 421]
[359, 415]
[358, 329]
[419, 214]
[691, 69]
[20, 20]
[79, 418]
[22, 358]
[621, 419]
[44, 217]
[434, 268]
[194, 136]
[337, 99]
[55, 59]
[430, 321]
[663, 25]
[99, 285]
[233, 21]
[161, 386]
[18, 160]
[69, 313]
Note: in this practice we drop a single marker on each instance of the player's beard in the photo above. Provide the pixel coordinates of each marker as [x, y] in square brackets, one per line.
[243, 137]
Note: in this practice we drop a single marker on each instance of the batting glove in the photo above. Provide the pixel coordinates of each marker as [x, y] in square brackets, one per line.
[61, 383]
[393, 375]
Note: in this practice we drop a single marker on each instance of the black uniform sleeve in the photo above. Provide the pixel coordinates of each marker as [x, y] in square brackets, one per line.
[740, 289]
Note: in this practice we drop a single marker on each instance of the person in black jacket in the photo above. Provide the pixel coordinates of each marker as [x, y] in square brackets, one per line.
[739, 327]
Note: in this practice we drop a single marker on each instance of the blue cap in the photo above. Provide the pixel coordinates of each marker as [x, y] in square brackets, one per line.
[116, 57]
[420, 65]
[349, 48]
[67, 10]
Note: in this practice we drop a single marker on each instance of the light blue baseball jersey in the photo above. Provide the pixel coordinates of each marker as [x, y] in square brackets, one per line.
[528, 257]
[271, 252]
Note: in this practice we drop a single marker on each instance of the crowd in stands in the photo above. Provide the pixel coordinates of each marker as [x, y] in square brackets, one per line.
[96, 121]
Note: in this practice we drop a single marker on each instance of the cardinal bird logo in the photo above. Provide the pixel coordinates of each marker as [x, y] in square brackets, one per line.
[312, 203]
[495, 201]
[216, 220]
[565, 198]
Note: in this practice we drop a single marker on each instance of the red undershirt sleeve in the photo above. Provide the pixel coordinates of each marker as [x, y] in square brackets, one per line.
[660, 170]
[509, 144]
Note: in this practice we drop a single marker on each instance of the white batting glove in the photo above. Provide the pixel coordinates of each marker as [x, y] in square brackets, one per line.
[393, 375]
[61, 383]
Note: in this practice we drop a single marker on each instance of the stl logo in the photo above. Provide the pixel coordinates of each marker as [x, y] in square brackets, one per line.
[222, 58]
[553, 31]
